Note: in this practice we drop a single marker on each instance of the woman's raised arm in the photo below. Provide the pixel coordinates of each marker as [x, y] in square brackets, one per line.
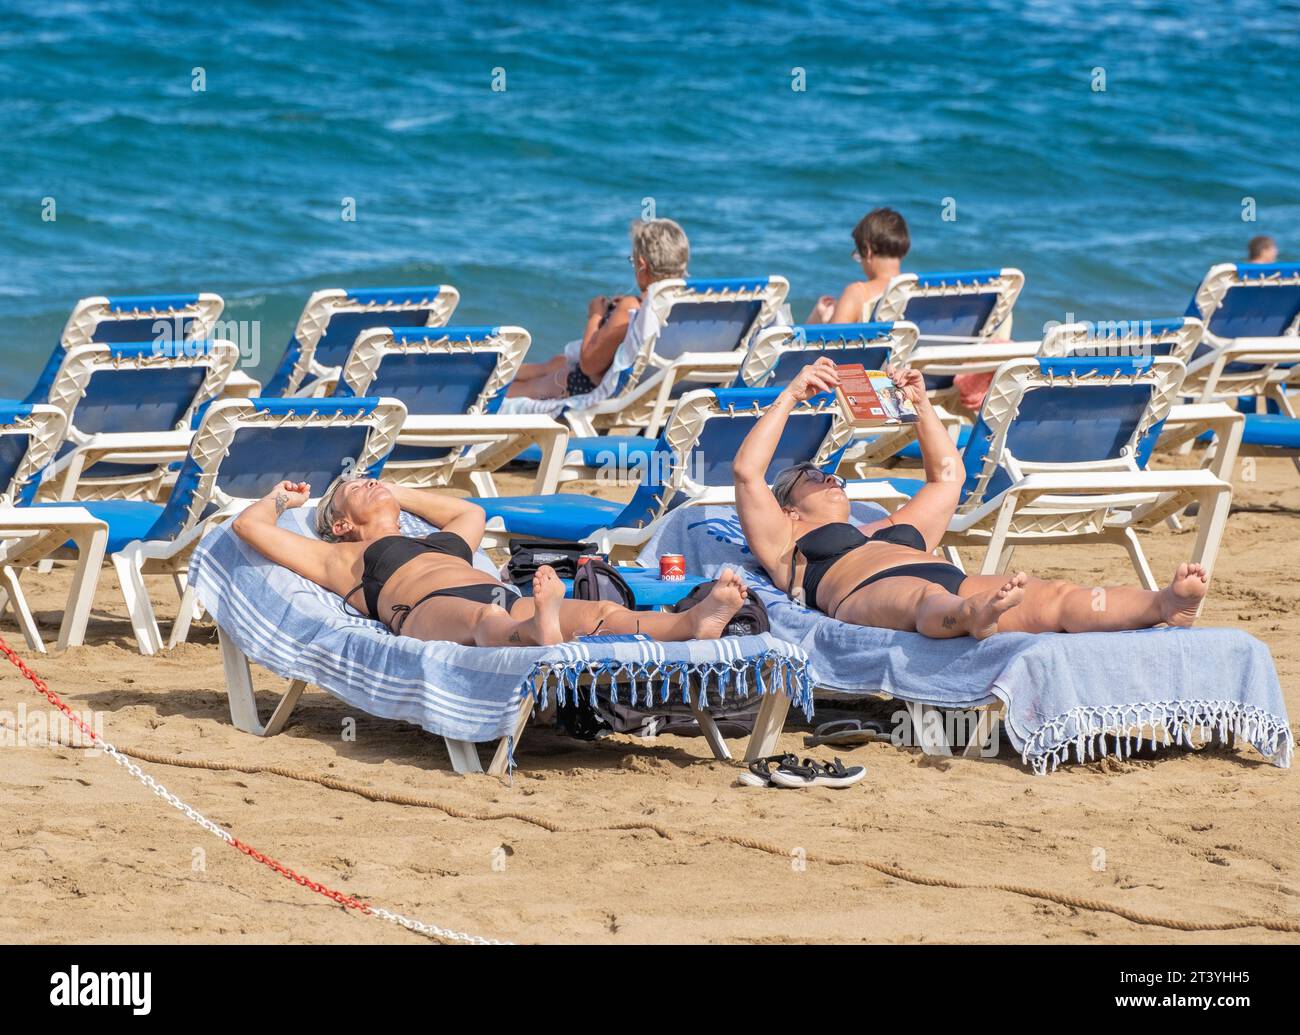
[765, 524]
[322, 563]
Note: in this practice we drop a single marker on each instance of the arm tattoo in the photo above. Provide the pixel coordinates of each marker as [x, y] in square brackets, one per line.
[281, 503]
[949, 622]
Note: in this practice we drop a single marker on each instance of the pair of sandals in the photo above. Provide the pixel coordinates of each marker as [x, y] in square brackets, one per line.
[787, 771]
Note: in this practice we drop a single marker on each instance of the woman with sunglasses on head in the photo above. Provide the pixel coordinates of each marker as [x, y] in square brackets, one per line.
[429, 588]
[884, 574]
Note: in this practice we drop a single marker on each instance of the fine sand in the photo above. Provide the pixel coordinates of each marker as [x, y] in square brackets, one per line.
[648, 840]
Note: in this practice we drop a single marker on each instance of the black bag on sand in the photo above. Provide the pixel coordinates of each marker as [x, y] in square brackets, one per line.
[735, 718]
[750, 620]
[596, 579]
[527, 556]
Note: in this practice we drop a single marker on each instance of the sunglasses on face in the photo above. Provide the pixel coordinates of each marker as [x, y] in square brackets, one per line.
[819, 477]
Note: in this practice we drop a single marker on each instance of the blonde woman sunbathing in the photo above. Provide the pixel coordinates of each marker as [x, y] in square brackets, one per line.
[428, 587]
[884, 574]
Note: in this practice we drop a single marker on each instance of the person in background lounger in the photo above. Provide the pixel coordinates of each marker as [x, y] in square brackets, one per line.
[884, 574]
[1262, 248]
[660, 251]
[880, 243]
[428, 587]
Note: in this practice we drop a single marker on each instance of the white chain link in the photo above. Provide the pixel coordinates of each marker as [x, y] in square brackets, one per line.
[429, 930]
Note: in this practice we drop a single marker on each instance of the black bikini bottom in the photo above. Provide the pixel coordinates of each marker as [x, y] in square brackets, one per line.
[480, 593]
[949, 576]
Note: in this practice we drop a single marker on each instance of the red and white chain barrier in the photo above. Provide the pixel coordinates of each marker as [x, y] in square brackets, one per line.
[347, 901]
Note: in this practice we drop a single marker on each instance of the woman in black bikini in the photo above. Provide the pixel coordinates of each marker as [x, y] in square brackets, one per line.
[428, 587]
[884, 574]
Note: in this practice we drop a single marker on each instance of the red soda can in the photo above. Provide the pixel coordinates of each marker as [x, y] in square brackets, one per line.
[672, 567]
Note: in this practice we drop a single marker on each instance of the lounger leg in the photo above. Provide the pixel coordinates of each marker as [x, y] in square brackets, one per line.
[185, 614]
[464, 756]
[1211, 522]
[1139, 560]
[483, 483]
[712, 734]
[928, 744]
[554, 448]
[501, 760]
[981, 737]
[998, 539]
[767, 725]
[138, 605]
[243, 701]
[91, 544]
[22, 613]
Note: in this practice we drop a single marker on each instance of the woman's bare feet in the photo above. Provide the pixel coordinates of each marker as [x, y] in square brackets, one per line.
[981, 613]
[710, 616]
[1181, 599]
[548, 591]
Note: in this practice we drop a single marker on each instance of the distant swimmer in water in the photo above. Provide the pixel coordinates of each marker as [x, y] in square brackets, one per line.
[1262, 248]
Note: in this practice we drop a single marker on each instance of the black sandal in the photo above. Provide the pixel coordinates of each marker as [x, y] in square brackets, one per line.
[812, 773]
[759, 773]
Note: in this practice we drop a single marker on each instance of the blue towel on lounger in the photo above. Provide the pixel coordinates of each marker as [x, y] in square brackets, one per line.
[300, 631]
[1061, 691]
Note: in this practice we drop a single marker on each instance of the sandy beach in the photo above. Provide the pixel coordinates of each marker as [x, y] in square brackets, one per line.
[630, 841]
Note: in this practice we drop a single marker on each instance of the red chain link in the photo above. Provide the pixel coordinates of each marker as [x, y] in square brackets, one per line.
[347, 901]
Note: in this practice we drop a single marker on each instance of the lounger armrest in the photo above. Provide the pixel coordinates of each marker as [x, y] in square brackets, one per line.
[973, 358]
[240, 385]
[464, 428]
[1188, 421]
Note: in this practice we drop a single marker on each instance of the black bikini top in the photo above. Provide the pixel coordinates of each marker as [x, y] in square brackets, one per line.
[825, 545]
[384, 556]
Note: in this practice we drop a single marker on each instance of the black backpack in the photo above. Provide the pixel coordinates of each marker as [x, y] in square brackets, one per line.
[595, 579]
[527, 556]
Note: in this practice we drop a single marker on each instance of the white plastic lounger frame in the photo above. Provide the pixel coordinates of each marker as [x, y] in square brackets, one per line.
[773, 344]
[644, 399]
[495, 438]
[902, 289]
[464, 754]
[1176, 337]
[1103, 501]
[671, 480]
[65, 480]
[211, 444]
[1260, 366]
[28, 536]
[309, 377]
[947, 355]
[198, 312]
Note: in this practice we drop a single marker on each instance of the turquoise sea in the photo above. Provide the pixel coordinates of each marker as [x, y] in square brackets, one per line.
[1113, 201]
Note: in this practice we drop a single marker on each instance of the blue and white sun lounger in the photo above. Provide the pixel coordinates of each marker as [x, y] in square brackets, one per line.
[1057, 692]
[696, 332]
[330, 323]
[30, 434]
[128, 408]
[126, 318]
[1171, 336]
[777, 354]
[1251, 313]
[689, 464]
[467, 695]
[957, 313]
[1058, 455]
[452, 381]
[242, 450]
